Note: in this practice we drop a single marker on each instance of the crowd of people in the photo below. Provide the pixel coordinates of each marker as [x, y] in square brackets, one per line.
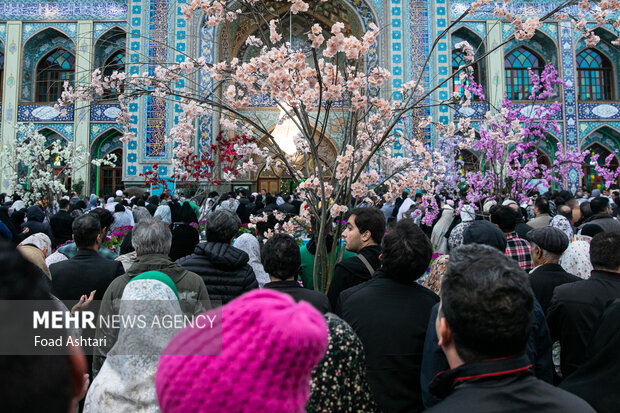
[499, 306]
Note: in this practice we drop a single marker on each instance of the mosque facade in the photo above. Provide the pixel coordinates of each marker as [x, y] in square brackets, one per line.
[44, 43]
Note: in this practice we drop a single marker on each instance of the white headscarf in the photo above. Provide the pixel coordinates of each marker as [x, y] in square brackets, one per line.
[163, 211]
[467, 213]
[248, 243]
[39, 240]
[230, 204]
[126, 382]
[438, 239]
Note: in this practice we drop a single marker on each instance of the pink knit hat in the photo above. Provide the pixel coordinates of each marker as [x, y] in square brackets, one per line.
[270, 345]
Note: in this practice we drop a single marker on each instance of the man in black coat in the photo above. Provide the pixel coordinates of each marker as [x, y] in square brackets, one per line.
[223, 268]
[596, 380]
[483, 326]
[389, 314]
[281, 259]
[61, 223]
[152, 204]
[362, 235]
[548, 244]
[86, 271]
[576, 307]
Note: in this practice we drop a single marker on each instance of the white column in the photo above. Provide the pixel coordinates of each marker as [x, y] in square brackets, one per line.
[10, 92]
[83, 69]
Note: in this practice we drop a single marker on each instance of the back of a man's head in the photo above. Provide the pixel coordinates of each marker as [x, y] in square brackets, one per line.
[405, 252]
[487, 302]
[604, 249]
[542, 205]
[222, 226]
[86, 228]
[484, 233]
[599, 204]
[105, 217]
[505, 218]
[370, 219]
[566, 211]
[280, 256]
[64, 203]
[151, 236]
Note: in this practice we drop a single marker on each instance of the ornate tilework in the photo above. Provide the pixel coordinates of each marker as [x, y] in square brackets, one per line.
[136, 48]
[34, 49]
[570, 103]
[604, 140]
[418, 21]
[104, 113]
[63, 10]
[476, 110]
[3, 32]
[97, 128]
[586, 128]
[155, 137]
[599, 110]
[29, 29]
[42, 113]
[100, 28]
[477, 27]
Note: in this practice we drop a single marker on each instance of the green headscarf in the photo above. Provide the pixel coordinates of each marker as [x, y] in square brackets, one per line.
[158, 276]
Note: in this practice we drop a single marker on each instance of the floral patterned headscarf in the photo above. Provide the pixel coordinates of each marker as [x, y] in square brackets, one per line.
[339, 381]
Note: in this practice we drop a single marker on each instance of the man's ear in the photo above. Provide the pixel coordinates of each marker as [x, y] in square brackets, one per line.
[444, 334]
[366, 235]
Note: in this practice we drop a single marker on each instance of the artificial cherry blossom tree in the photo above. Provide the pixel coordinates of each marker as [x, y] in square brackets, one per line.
[36, 169]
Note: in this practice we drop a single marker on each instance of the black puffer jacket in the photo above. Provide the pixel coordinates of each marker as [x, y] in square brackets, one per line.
[223, 268]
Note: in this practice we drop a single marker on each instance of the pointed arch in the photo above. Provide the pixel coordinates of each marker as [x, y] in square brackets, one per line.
[104, 180]
[55, 68]
[517, 64]
[595, 79]
[463, 33]
[107, 44]
[35, 49]
[602, 141]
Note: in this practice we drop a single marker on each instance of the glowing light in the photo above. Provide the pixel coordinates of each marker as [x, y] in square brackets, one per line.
[285, 132]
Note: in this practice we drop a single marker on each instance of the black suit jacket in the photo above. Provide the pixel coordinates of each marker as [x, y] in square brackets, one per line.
[299, 293]
[574, 311]
[390, 318]
[80, 275]
[545, 278]
[61, 227]
[352, 271]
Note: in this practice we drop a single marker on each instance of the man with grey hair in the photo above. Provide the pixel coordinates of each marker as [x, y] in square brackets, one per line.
[151, 239]
[223, 268]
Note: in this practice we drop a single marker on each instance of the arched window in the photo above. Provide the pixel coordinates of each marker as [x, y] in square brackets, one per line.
[517, 64]
[116, 62]
[470, 160]
[595, 76]
[458, 60]
[52, 71]
[110, 177]
[591, 178]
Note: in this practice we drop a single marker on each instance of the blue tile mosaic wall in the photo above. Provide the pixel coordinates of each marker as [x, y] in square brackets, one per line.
[63, 10]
